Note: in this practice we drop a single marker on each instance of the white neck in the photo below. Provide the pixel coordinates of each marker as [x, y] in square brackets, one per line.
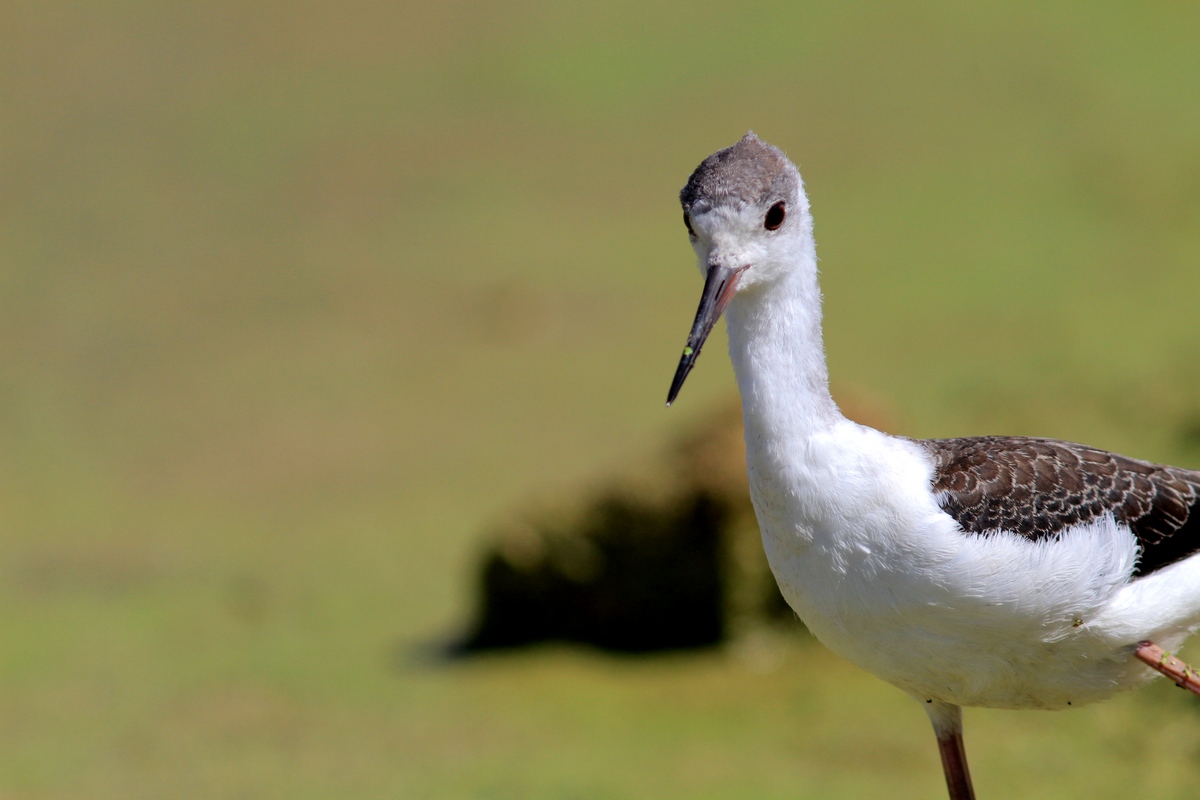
[779, 357]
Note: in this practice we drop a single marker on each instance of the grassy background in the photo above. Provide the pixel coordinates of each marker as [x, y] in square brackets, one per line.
[295, 297]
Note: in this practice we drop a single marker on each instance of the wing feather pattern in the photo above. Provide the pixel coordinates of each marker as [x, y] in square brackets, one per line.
[1039, 487]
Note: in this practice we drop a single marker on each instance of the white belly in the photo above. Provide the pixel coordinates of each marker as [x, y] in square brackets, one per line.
[1035, 641]
[886, 580]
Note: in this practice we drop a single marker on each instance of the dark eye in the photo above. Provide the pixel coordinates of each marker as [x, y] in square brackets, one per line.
[688, 223]
[775, 215]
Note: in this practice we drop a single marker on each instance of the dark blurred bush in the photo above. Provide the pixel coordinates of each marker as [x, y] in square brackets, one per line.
[667, 556]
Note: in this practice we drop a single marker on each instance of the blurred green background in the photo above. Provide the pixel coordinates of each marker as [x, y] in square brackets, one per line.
[296, 297]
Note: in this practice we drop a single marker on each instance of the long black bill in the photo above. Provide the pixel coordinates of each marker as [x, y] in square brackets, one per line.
[719, 286]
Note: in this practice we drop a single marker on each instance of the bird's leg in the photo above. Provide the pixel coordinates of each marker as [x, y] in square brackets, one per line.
[947, 725]
[1156, 658]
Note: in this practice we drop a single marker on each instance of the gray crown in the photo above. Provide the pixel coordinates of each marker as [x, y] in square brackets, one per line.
[750, 172]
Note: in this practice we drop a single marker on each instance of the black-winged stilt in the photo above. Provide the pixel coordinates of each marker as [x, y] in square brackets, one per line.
[992, 571]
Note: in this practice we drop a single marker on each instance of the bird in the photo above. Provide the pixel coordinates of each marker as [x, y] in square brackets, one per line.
[990, 571]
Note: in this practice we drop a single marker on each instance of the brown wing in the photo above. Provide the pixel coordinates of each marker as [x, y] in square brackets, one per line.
[1039, 487]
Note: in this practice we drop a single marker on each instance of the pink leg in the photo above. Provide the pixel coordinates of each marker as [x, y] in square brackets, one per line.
[947, 725]
[1156, 658]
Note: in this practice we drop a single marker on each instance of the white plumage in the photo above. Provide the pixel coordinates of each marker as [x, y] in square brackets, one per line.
[858, 539]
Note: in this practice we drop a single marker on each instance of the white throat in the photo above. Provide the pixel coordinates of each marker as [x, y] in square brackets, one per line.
[778, 356]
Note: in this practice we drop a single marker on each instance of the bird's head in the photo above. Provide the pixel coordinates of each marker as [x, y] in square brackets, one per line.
[748, 220]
